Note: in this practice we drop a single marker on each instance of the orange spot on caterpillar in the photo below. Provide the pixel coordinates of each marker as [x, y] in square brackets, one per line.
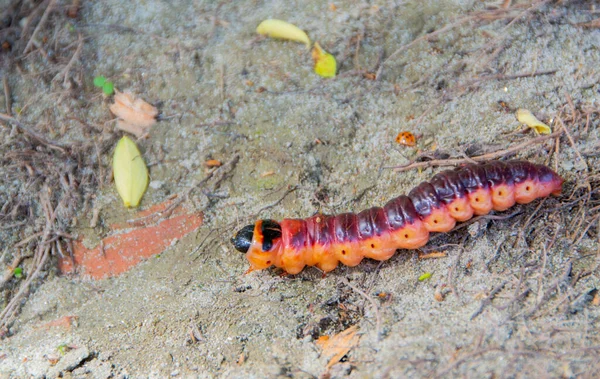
[440, 220]
[481, 201]
[503, 197]
[525, 192]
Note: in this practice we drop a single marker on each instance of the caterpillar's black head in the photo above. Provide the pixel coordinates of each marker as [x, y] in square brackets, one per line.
[243, 239]
[270, 230]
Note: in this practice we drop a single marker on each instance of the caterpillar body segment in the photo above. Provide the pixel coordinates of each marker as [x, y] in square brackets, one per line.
[403, 223]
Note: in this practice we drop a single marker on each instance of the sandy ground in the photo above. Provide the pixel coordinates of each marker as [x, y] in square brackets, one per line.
[191, 312]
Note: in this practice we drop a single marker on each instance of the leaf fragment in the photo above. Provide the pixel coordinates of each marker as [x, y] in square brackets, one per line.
[325, 64]
[283, 30]
[130, 172]
[339, 345]
[525, 116]
[135, 115]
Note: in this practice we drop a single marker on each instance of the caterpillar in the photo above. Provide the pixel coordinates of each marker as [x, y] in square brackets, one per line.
[403, 223]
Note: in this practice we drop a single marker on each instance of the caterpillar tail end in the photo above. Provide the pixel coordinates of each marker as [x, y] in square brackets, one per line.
[558, 186]
[549, 182]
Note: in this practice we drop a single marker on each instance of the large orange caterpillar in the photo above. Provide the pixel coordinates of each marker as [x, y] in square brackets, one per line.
[403, 223]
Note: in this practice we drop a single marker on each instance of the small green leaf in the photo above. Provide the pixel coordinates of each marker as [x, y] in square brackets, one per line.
[63, 348]
[99, 81]
[108, 88]
[18, 272]
[425, 276]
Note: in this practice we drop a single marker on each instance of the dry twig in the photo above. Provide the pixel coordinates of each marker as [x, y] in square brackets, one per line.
[50, 143]
[220, 173]
[479, 158]
[488, 300]
[371, 301]
[67, 69]
[39, 259]
[7, 100]
[47, 12]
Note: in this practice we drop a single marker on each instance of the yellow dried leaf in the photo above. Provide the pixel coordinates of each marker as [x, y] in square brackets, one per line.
[339, 345]
[283, 30]
[130, 172]
[526, 117]
[325, 64]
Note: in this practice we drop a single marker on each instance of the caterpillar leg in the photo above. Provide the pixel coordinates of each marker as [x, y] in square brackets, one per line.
[410, 236]
[440, 220]
[292, 260]
[526, 191]
[379, 248]
[481, 201]
[460, 208]
[321, 256]
[503, 197]
[348, 253]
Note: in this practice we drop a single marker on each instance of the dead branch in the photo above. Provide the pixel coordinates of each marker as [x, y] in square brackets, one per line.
[43, 140]
[39, 259]
[479, 158]
[276, 203]
[477, 16]
[546, 295]
[488, 300]
[463, 359]
[501, 77]
[572, 142]
[425, 37]
[7, 100]
[452, 270]
[64, 73]
[371, 301]
[14, 264]
[39, 25]
[219, 173]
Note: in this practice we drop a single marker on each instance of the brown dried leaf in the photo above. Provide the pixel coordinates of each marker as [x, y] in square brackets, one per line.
[136, 116]
[339, 345]
[136, 130]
